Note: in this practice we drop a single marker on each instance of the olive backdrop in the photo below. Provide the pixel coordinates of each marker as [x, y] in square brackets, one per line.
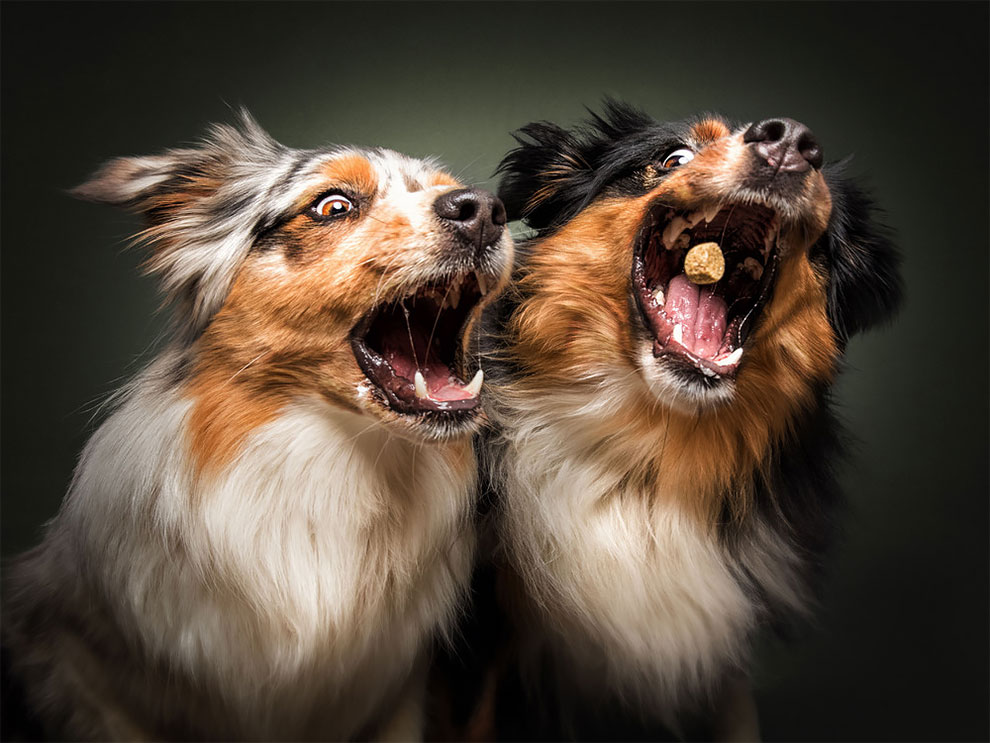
[900, 651]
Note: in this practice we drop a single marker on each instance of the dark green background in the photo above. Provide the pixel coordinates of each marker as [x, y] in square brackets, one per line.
[901, 650]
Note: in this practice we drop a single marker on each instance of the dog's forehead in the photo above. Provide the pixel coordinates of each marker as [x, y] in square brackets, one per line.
[352, 167]
[398, 172]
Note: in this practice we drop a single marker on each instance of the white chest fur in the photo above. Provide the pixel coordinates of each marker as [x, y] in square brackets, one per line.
[633, 591]
[300, 583]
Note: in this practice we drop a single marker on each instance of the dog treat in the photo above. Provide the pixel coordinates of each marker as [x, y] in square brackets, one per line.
[704, 263]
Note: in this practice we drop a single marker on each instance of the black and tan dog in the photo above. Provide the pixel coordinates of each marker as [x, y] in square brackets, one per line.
[663, 464]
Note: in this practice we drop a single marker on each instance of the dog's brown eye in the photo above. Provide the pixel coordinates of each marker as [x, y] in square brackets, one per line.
[333, 205]
[678, 157]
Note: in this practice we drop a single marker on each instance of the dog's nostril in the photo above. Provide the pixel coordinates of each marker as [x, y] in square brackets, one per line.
[461, 205]
[498, 213]
[774, 131]
[769, 130]
[468, 209]
[810, 150]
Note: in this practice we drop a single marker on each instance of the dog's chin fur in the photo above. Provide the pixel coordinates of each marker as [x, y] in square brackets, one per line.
[417, 428]
[251, 548]
[656, 524]
[672, 391]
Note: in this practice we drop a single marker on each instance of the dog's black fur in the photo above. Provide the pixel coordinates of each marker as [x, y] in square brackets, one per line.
[861, 266]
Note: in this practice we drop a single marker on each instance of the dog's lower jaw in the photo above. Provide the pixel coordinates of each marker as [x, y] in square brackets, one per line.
[670, 390]
[288, 595]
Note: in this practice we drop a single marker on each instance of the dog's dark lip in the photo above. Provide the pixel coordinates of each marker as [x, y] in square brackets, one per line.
[443, 354]
[747, 234]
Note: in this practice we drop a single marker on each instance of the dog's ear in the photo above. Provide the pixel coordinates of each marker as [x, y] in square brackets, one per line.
[555, 172]
[137, 182]
[201, 206]
[158, 186]
[544, 176]
[860, 257]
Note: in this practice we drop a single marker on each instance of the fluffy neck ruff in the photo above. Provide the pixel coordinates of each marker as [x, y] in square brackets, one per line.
[571, 345]
[286, 593]
[614, 502]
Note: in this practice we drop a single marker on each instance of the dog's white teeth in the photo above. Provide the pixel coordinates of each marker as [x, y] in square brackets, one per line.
[473, 387]
[658, 296]
[678, 333]
[694, 217]
[752, 267]
[673, 230]
[710, 212]
[420, 382]
[732, 358]
[769, 242]
[482, 283]
[452, 297]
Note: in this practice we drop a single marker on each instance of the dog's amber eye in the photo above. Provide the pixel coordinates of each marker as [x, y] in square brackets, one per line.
[332, 205]
[678, 157]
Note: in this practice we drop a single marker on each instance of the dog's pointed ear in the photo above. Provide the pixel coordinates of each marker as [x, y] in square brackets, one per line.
[201, 205]
[155, 185]
[554, 172]
[543, 175]
[863, 263]
[136, 182]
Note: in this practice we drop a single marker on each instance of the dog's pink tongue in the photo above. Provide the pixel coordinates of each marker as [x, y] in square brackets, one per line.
[441, 382]
[699, 312]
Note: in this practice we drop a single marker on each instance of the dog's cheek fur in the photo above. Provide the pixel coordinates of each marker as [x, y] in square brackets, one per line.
[859, 258]
[577, 322]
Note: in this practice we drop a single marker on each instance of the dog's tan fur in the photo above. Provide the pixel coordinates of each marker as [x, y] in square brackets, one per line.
[254, 545]
[613, 487]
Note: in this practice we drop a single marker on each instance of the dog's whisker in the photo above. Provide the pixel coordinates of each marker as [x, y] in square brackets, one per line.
[436, 320]
[248, 364]
[381, 278]
[412, 343]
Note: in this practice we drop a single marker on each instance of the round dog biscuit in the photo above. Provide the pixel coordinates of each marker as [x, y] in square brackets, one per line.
[704, 263]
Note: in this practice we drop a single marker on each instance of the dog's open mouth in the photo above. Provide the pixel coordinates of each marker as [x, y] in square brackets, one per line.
[704, 327]
[413, 349]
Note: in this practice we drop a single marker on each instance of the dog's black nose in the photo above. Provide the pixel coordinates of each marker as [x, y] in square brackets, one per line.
[785, 144]
[477, 216]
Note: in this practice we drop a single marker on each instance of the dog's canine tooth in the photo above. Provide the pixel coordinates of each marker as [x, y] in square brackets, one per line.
[482, 282]
[753, 268]
[473, 387]
[731, 359]
[678, 334]
[673, 230]
[420, 382]
[711, 212]
[768, 242]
